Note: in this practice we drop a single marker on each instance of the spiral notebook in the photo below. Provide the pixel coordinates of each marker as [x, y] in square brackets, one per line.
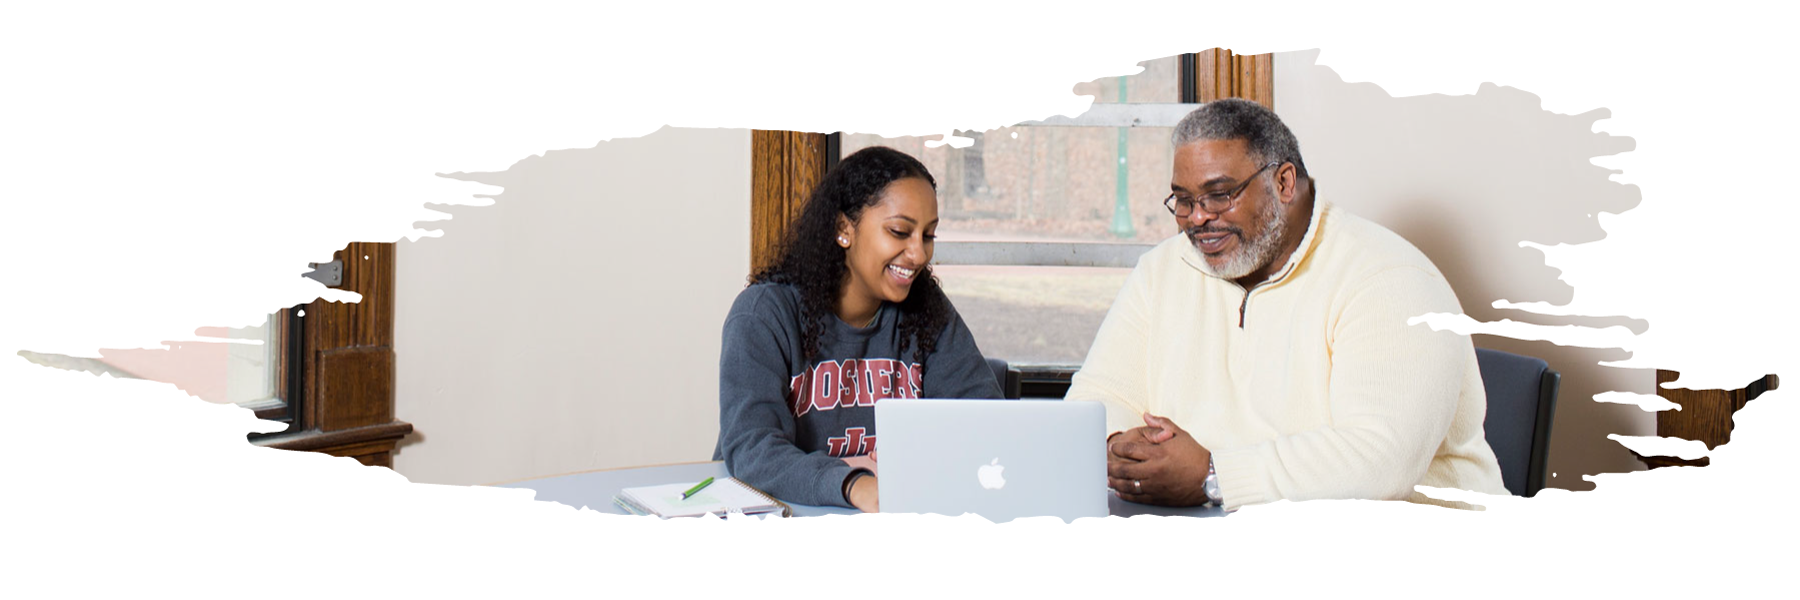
[724, 495]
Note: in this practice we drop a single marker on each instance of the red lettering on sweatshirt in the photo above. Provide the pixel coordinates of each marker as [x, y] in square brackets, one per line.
[854, 443]
[800, 393]
[850, 393]
[852, 383]
[827, 377]
[886, 377]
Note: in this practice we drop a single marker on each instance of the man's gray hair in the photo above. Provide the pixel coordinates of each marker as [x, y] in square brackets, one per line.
[1240, 119]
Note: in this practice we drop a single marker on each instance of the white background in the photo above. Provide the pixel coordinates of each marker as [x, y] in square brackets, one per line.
[174, 166]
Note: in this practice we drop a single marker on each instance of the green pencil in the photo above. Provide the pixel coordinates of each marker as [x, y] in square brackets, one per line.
[696, 489]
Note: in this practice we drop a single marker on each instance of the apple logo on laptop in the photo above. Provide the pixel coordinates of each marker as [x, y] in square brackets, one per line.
[989, 474]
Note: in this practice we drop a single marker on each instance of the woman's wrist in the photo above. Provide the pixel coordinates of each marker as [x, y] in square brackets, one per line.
[862, 493]
[850, 482]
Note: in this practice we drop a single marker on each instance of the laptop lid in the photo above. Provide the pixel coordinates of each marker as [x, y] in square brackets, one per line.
[1001, 459]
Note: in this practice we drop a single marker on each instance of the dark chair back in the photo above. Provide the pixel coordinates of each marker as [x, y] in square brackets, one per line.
[1521, 398]
[1008, 377]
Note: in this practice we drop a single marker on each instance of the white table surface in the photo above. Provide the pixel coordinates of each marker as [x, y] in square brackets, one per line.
[595, 490]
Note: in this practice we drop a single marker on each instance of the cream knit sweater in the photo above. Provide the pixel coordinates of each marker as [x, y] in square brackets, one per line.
[1324, 391]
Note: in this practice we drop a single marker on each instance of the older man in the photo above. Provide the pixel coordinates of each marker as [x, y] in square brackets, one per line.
[1265, 355]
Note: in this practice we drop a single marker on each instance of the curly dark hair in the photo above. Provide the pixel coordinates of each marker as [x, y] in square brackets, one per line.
[813, 264]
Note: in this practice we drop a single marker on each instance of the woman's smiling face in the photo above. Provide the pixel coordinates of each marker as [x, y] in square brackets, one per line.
[888, 247]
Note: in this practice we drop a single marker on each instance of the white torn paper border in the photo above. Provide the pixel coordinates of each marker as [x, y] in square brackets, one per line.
[1662, 446]
[1568, 335]
[140, 137]
[1648, 402]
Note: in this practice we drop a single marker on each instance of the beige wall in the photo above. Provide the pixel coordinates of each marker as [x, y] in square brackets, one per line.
[575, 323]
[1466, 178]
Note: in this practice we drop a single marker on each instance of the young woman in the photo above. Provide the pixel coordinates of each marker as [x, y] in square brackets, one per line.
[848, 315]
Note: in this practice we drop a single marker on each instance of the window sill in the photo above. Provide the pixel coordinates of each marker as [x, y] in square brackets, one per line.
[1038, 381]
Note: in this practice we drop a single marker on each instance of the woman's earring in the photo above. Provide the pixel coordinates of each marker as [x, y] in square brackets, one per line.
[842, 241]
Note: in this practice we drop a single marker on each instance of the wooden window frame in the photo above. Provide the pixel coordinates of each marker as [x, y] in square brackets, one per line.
[785, 166]
[338, 371]
[1218, 73]
[1705, 416]
[285, 406]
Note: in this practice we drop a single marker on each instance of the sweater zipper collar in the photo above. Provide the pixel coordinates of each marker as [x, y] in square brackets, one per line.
[1305, 249]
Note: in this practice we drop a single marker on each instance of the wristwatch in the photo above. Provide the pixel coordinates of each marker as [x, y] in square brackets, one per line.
[1212, 485]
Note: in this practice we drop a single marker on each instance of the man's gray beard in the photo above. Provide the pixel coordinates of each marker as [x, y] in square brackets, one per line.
[1256, 252]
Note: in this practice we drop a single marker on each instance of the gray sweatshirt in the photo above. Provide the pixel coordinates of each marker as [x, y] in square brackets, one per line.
[786, 424]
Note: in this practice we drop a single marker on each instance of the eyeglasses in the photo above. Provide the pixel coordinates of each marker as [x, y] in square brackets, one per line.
[1214, 203]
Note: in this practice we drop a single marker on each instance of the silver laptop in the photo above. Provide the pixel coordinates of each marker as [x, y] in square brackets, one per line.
[1001, 459]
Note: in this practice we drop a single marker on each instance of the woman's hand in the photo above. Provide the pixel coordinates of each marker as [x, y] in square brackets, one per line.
[864, 494]
[864, 462]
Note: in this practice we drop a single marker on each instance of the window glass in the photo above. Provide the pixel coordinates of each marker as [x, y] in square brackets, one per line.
[1052, 184]
[1032, 315]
